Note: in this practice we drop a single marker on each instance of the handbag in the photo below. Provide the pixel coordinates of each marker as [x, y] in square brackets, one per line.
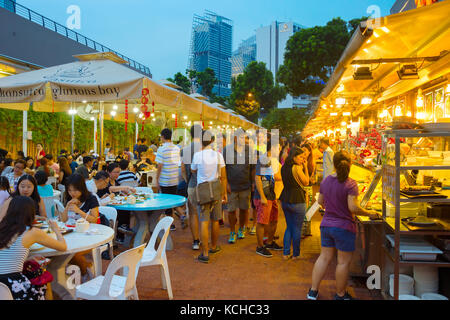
[269, 189]
[209, 191]
[37, 275]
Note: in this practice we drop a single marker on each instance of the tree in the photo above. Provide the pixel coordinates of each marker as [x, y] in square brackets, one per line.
[181, 80]
[288, 121]
[312, 54]
[206, 80]
[256, 83]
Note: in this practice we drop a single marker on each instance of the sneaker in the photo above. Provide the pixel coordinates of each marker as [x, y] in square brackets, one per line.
[173, 228]
[262, 251]
[232, 237]
[312, 294]
[184, 224]
[216, 250]
[196, 245]
[274, 246]
[125, 229]
[252, 231]
[240, 234]
[203, 259]
[346, 296]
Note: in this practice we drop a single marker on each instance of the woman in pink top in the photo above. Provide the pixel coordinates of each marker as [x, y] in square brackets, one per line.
[40, 154]
[339, 196]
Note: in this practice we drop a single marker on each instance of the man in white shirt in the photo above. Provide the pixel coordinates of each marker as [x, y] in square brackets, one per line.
[99, 182]
[206, 164]
[328, 154]
[167, 175]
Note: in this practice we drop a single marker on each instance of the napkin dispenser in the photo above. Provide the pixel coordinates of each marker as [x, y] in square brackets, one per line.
[82, 226]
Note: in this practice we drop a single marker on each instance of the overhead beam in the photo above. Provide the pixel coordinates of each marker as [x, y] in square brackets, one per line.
[395, 60]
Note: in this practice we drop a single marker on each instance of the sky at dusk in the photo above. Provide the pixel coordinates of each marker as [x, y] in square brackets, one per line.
[157, 33]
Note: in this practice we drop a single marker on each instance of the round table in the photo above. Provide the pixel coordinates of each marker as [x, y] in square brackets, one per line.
[144, 224]
[76, 242]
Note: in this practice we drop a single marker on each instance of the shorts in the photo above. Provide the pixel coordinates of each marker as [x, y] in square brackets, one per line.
[338, 238]
[182, 189]
[268, 213]
[211, 211]
[239, 200]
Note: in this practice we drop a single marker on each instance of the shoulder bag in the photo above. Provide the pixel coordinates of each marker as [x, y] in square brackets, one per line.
[209, 191]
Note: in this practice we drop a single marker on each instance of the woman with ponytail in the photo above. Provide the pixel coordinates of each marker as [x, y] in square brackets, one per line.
[339, 196]
[293, 199]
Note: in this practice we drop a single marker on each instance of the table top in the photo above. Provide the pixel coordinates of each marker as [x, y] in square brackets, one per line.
[160, 201]
[77, 242]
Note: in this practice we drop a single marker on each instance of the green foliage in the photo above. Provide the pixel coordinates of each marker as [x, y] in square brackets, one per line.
[206, 79]
[311, 55]
[288, 121]
[256, 83]
[182, 81]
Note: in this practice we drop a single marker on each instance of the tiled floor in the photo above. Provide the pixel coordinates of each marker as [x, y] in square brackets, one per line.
[238, 273]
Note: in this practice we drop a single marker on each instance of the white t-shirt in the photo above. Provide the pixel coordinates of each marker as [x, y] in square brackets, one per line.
[92, 188]
[205, 162]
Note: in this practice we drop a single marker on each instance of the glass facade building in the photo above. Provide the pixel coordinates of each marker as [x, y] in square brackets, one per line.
[211, 47]
[242, 57]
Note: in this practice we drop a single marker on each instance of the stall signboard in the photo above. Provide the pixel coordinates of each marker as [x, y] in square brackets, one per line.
[389, 183]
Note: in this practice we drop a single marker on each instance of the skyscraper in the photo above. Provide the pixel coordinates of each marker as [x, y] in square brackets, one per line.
[242, 57]
[211, 47]
[271, 43]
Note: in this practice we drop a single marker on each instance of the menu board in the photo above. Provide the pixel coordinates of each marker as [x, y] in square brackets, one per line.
[447, 105]
[439, 104]
[389, 183]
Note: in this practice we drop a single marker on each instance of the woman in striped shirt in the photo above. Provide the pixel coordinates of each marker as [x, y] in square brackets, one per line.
[17, 235]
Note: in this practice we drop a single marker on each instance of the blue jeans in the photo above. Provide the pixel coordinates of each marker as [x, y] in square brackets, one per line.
[295, 215]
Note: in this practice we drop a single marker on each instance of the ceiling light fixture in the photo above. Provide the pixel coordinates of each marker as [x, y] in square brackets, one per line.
[408, 72]
[363, 73]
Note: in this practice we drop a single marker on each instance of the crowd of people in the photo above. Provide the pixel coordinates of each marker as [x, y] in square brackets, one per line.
[245, 179]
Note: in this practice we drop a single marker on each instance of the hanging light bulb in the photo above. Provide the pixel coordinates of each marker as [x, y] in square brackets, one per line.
[398, 111]
[113, 113]
[173, 116]
[135, 109]
[115, 107]
[409, 114]
[140, 115]
[185, 117]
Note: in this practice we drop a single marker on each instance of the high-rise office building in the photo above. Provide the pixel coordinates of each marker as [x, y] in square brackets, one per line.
[211, 47]
[242, 57]
[271, 43]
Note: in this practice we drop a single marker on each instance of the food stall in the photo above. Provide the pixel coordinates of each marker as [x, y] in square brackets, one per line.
[388, 104]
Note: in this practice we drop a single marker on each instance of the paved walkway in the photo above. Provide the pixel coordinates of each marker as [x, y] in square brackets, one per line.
[238, 273]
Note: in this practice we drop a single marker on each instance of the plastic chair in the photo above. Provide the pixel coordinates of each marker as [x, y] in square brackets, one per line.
[154, 257]
[52, 181]
[111, 215]
[151, 178]
[59, 205]
[5, 293]
[49, 206]
[112, 286]
[144, 189]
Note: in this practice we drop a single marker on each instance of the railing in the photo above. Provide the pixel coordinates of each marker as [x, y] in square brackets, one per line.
[73, 35]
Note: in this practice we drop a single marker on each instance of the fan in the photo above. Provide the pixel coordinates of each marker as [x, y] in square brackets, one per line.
[87, 112]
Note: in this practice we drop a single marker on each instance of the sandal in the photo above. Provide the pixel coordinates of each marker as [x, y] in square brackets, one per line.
[203, 259]
[217, 249]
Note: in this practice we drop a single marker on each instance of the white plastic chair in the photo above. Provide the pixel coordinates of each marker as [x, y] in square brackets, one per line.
[59, 205]
[151, 178]
[49, 205]
[52, 181]
[112, 286]
[110, 214]
[5, 293]
[154, 257]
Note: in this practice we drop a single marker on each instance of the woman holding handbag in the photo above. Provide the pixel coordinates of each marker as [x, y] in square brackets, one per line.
[293, 199]
[17, 235]
[209, 166]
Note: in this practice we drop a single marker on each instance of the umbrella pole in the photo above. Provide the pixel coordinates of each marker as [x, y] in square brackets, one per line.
[102, 114]
[72, 135]
[95, 135]
[25, 132]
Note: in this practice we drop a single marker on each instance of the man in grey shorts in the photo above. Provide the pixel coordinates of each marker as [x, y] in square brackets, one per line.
[209, 166]
[187, 153]
[239, 177]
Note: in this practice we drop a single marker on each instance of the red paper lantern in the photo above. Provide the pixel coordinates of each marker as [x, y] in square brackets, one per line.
[145, 91]
[144, 100]
[126, 115]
